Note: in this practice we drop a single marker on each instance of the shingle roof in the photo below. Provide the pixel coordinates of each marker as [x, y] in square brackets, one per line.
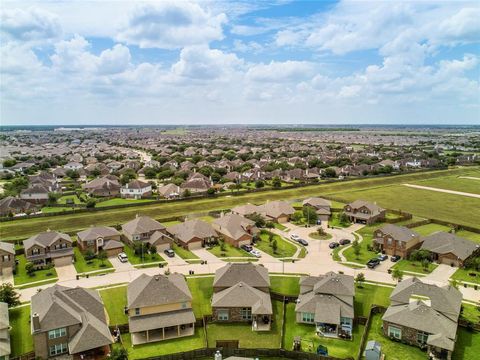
[160, 320]
[96, 232]
[374, 208]
[232, 273]
[232, 225]
[141, 225]
[46, 238]
[335, 284]
[317, 202]
[400, 233]
[443, 243]
[276, 209]
[7, 247]
[190, 229]
[244, 295]
[136, 184]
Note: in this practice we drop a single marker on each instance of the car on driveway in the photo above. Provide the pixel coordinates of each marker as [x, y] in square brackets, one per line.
[382, 257]
[372, 263]
[122, 257]
[344, 242]
[395, 258]
[294, 237]
[169, 252]
[333, 245]
[256, 253]
[247, 248]
[303, 242]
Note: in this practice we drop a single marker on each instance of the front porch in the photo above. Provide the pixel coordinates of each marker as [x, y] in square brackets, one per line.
[165, 333]
[334, 331]
[261, 323]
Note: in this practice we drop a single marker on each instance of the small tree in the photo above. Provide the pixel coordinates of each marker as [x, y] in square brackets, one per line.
[274, 246]
[344, 219]
[454, 283]
[222, 245]
[360, 279]
[102, 256]
[270, 237]
[259, 184]
[397, 275]
[257, 219]
[276, 182]
[91, 203]
[297, 216]
[356, 248]
[310, 214]
[29, 268]
[89, 255]
[425, 264]
[321, 231]
[9, 295]
[119, 354]
[186, 193]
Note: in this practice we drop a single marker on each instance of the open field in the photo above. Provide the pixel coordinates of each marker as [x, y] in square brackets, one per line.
[452, 183]
[387, 191]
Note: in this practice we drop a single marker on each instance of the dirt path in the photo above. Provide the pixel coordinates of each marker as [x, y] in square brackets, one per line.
[444, 190]
[469, 177]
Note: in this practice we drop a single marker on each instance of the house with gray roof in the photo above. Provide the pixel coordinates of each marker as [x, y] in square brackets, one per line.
[7, 258]
[98, 238]
[277, 211]
[49, 247]
[235, 229]
[424, 315]
[147, 230]
[397, 240]
[136, 189]
[192, 234]
[159, 307]
[321, 206]
[69, 321]
[450, 249]
[242, 294]
[12, 205]
[364, 212]
[5, 349]
[327, 301]
[107, 186]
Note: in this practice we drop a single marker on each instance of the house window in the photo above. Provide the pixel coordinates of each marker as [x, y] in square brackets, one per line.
[58, 349]
[137, 311]
[422, 337]
[56, 333]
[223, 315]
[308, 317]
[246, 313]
[35, 251]
[389, 241]
[6, 258]
[394, 332]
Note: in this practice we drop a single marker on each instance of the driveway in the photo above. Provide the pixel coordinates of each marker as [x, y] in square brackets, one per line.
[6, 277]
[176, 260]
[66, 272]
[441, 275]
[119, 266]
[206, 255]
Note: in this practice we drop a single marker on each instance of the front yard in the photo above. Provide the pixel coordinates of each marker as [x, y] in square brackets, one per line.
[145, 258]
[467, 275]
[20, 339]
[414, 266]
[284, 247]
[21, 277]
[82, 265]
[183, 253]
[228, 251]
[367, 233]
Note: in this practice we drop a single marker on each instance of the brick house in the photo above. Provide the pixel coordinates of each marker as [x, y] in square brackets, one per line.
[100, 238]
[363, 212]
[235, 229]
[147, 230]
[192, 234]
[49, 247]
[397, 240]
[7, 258]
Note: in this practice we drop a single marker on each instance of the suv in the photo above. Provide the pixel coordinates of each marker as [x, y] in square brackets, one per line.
[303, 242]
[256, 253]
[333, 245]
[169, 252]
[247, 248]
[382, 257]
[395, 258]
[122, 257]
[372, 263]
[344, 242]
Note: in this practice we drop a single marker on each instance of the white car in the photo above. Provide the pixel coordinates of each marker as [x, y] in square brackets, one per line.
[294, 237]
[123, 257]
[256, 253]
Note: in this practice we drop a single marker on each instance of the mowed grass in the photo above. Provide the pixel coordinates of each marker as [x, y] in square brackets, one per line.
[414, 266]
[202, 291]
[467, 346]
[423, 203]
[113, 202]
[22, 278]
[285, 285]
[82, 265]
[115, 300]
[284, 247]
[21, 341]
[452, 183]
[428, 229]
[229, 251]
[369, 295]
[367, 234]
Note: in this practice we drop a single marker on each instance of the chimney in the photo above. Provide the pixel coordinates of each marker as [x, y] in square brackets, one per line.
[36, 322]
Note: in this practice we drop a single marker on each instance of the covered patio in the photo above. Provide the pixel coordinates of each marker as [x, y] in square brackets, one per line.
[262, 322]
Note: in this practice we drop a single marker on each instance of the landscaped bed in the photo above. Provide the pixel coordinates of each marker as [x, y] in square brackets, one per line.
[367, 233]
[82, 265]
[284, 247]
[21, 277]
[315, 235]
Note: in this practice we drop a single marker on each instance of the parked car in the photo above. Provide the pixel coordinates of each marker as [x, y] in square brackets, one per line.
[333, 245]
[303, 242]
[256, 253]
[395, 258]
[319, 222]
[169, 252]
[122, 257]
[372, 263]
[294, 237]
[382, 257]
[344, 242]
[247, 248]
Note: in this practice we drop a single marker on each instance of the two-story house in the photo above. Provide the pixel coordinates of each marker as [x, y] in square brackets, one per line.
[69, 321]
[159, 307]
[147, 230]
[136, 189]
[98, 238]
[235, 229]
[327, 301]
[49, 247]
[397, 240]
[36, 194]
[363, 212]
[7, 258]
[321, 206]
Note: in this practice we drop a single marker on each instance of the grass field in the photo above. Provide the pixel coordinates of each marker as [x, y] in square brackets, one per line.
[384, 190]
[74, 198]
[115, 300]
[112, 202]
[82, 265]
[22, 278]
[20, 339]
[284, 247]
[453, 183]
[183, 253]
[286, 285]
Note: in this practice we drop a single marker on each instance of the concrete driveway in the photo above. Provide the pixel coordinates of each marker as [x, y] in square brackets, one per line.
[204, 254]
[441, 275]
[66, 272]
[119, 266]
[7, 276]
[176, 260]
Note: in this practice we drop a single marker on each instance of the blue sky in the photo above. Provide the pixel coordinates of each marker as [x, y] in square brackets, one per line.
[263, 62]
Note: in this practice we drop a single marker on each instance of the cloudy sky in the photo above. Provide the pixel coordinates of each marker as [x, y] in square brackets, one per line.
[209, 62]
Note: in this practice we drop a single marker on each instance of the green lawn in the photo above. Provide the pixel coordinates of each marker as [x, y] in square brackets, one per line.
[414, 266]
[286, 285]
[137, 259]
[284, 247]
[230, 251]
[428, 229]
[243, 332]
[21, 277]
[55, 209]
[392, 349]
[453, 183]
[183, 253]
[82, 265]
[470, 313]
[20, 339]
[280, 226]
[464, 275]
[112, 202]
[370, 295]
[467, 346]
[115, 300]
[335, 221]
[63, 199]
[202, 291]
[384, 190]
[316, 236]
[365, 254]
[336, 347]
[469, 235]
[197, 341]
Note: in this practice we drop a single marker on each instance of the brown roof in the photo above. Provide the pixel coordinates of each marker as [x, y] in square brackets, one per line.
[190, 229]
[45, 239]
[232, 273]
[141, 225]
[96, 232]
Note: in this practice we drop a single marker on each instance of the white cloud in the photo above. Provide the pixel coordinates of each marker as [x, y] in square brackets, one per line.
[280, 71]
[115, 60]
[171, 25]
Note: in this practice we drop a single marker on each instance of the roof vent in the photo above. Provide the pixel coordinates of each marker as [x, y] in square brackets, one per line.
[157, 278]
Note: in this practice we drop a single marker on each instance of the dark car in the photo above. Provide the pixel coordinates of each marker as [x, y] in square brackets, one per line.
[303, 242]
[169, 252]
[247, 248]
[395, 258]
[333, 245]
[344, 242]
[372, 263]
[382, 257]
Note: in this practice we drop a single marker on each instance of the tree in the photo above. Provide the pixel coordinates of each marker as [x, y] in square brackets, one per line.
[119, 353]
[274, 246]
[356, 248]
[360, 279]
[397, 275]
[91, 203]
[89, 255]
[257, 219]
[343, 219]
[259, 184]
[425, 264]
[102, 256]
[321, 231]
[297, 216]
[211, 191]
[270, 237]
[72, 174]
[276, 182]
[330, 173]
[310, 215]
[9, 295]
[29, 268]
[9, 162]
[222, 245]
[127, 176]
[53, 198]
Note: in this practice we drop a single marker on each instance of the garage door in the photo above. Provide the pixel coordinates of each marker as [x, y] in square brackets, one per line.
[6, 271]
[195, 245]
[283, 219]
[63, 261]
[162, 247]
[244, 242]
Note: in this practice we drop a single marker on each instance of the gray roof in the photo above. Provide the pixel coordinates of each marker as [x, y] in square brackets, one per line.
[136, 184]
[45, 239]
[188, 230]
[276, 209]
[246, 209]
[317, 202]
[155, 290]
[12, 203]
[251, 274]
[7, 247]
[399, 233]
[112, 244]
[243, 295]
[169, 189]
[334, 284]
[4, 330]
[374, 208]
[141, 225]
[443, 243]
[103, 183]
[232, 225]
[160, 320]
[96, 232]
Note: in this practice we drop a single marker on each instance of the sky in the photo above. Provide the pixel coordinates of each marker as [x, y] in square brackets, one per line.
[239, 62]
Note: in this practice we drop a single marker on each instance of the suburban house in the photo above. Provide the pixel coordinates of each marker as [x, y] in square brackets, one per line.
[12, 205]
[449, 248]
[147, 230]
[245, 210]
[235, 229]
[424, 315]
[169, 191]
[397, 240]
[103, 187]
[98, 238]
[192, 234]
[5, 349]
[321, 206]
[242, 294]
[69, 321]
[73, 166]
[7, 257]
[36, 194]
[159, 307]
[49, 247]
[327, 301]
[136, 189]
[277, 211]
[363, 212]
[197, 183]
